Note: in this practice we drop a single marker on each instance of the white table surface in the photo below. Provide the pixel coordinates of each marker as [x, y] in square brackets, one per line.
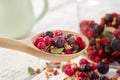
[61, 15]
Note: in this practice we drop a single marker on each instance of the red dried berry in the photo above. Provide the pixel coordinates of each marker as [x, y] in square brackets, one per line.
[40, 39]
[118, 71]
[83, 61]
[90, 34]
[84, 30]
[80, 78]
[78, 40]
[58, 33]
[116, 54]
[116, 33]
[47, 40]
[67, 66]
[68, 52]
[97, 59]
[105, 41]
[82, 74]
[69, 72]
[101, 53]
[82, 45]
[41, 45]
[91, 57]
[93, 66]
[75, 69]
[111, 59]
[91, 52]
[115, 14]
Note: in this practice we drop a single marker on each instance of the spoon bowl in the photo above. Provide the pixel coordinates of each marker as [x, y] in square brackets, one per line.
[28, 47]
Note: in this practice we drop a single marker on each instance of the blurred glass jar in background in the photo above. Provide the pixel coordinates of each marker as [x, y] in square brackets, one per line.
[95, 9]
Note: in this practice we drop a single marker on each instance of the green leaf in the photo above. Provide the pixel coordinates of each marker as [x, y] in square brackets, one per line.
[85, 54]
[31, 71]
[71, 39]
[109, 29]
[108, 32]
[57, 50]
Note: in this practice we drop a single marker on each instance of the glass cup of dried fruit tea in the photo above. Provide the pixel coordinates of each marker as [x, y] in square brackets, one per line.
[60, 43]
[104, 38]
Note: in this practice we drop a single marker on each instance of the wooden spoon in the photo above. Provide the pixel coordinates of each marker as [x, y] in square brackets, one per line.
[28, 47]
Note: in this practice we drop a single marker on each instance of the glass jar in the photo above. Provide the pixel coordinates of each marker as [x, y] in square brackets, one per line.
[98, 21]
[95, 9]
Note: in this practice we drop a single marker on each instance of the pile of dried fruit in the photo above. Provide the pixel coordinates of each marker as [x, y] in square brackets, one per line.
[84, 70]
[88, 71]
[59, 43]
[104, 38]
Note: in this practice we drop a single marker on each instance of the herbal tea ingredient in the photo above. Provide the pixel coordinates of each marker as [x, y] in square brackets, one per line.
[59, 43]
[104, 38]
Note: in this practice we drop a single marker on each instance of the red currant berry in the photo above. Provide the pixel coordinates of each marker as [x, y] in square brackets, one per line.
[105, 41]
[78, 40]
[40, 39]
[69, 72]
[82, 74]
[115, 14]
[68, 52]
[47, 40]
[92, 57]
[93, 66]
[67, 66]
[83, 61]
[58, 33]
[97, 59]
[82, 45]
[80, 78]
[90, 34]
[118, 71]
[41, 45]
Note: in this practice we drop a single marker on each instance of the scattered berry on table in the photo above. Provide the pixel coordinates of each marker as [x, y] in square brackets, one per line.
[103, 67]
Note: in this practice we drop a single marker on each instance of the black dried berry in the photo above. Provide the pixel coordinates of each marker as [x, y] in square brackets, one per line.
[85, 68]
[67, 36]
[75, 47]
[92, 42]
[103, 67]
[115, 45]
[108, 18]
[49, 33]
[93, 75]
[98, 29]
[58, 42]
[118, 20]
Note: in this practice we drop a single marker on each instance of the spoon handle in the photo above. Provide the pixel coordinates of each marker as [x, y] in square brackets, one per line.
[12, 44]
[24, 46]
